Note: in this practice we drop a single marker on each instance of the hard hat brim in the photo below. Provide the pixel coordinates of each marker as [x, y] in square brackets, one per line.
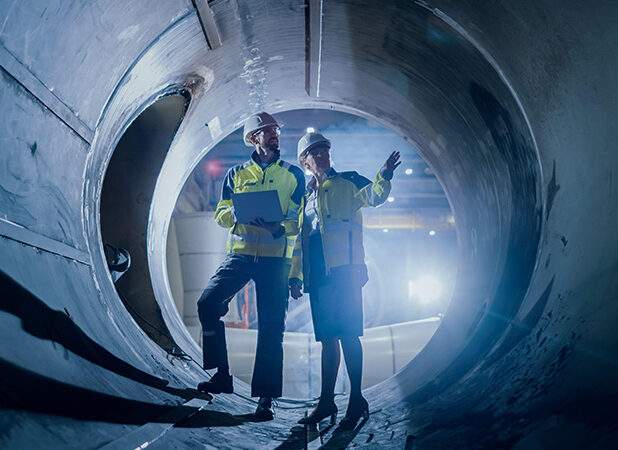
[314, 145]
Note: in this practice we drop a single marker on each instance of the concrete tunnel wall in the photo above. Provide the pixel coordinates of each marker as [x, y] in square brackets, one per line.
[511, 105]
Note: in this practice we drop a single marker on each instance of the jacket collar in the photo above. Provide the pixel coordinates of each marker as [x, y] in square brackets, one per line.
[257, 162]
[313, 183]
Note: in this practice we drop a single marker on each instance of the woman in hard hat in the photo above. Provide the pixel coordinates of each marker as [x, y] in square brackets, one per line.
[329, 264]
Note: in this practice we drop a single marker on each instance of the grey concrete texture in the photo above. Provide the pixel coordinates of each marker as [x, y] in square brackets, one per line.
[511, 104]
[34, 171]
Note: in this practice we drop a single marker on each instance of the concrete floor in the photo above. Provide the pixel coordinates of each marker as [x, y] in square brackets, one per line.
[512, 105]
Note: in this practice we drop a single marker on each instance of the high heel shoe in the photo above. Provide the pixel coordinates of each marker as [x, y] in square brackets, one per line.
[357, 409]
[320, 413]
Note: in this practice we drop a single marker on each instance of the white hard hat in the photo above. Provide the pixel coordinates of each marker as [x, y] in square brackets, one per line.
[310, 140]
[257, 122]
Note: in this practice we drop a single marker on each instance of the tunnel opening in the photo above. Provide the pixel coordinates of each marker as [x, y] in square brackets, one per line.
[410, 243]
[450, 98]
[126, 198]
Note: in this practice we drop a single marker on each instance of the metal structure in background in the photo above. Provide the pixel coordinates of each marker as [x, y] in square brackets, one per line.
[508, 104]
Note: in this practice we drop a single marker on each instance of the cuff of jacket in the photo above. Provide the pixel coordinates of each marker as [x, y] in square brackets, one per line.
[386, 174]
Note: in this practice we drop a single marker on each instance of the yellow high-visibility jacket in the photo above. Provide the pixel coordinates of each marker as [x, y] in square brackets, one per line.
[289, 182]
[338, 201]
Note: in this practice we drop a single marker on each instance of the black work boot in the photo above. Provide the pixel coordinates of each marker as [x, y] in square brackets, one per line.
[219, 383]
[264, 410]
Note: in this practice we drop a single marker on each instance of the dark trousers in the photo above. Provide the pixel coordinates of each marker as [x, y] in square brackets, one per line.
[271, 284]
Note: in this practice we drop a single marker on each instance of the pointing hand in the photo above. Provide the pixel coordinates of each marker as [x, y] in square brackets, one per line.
[391, 164]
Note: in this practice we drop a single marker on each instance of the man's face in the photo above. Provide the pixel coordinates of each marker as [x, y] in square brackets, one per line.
[317, 159]
[268, 138]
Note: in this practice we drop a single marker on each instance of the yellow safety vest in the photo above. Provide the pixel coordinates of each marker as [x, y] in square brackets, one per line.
[289, 182]
[338, 199]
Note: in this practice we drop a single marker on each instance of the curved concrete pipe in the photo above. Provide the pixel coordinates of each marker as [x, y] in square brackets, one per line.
[511, 105]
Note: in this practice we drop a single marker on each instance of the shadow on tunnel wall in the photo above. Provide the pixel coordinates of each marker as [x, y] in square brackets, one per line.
[23, 389]
[341, 437]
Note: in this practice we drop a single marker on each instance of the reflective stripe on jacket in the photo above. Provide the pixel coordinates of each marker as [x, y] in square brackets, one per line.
[338, 201]
[288, 181]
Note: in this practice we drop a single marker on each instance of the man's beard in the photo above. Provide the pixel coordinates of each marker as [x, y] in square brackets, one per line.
[273, 146]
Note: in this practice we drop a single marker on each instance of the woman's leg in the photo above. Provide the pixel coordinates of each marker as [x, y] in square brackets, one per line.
[357, 405]
[330, 368]
[353, 355]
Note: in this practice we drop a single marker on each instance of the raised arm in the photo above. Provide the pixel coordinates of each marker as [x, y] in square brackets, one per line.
[375, 193]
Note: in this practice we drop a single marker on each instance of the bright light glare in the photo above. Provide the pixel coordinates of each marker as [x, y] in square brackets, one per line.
[310, 130]
[432, 232]
[426, 289]
[409, 171]
[391, 199]
[308, 173]
[384, 230]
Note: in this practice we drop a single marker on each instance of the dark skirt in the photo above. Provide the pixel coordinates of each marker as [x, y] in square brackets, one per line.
[337, 299]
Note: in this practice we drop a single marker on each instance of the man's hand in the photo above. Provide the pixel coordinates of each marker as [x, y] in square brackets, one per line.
[296, 291]
[388, 169]
[274, 228]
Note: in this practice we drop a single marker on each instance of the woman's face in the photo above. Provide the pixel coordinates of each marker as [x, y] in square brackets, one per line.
[317, 160]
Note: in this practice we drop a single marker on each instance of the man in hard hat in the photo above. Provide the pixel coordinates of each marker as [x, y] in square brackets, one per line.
[260, 251]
